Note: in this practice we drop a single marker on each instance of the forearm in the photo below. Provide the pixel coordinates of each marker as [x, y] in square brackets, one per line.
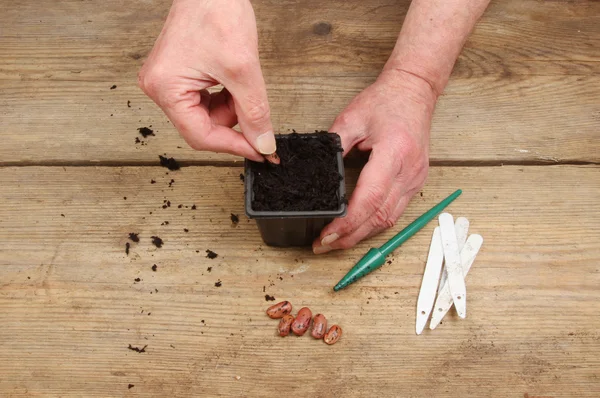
[432, 37]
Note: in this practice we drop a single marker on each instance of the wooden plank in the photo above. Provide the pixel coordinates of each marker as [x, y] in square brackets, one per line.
[102, 40]
[551, 118]
[70, 305]
[524, 90]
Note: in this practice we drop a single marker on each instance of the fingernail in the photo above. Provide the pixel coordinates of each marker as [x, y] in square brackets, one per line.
[265, 143]
[322, 249]
[329, 239]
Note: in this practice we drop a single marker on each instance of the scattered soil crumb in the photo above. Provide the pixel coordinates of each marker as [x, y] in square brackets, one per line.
[209, 269]
[180, 206]
[269, 298]
[124, 197]
[211, 254]
[156, 241]
[169, 163]
[130, 386]
[218, 283]
[154, 267]
[129, 104]
[152, 182]
[134, 237]
[264, 288]
[389, 262]
[235, 218]
[113, 86]
[421, 193]
[62, 215]
[171, 182]
[127, 245]
[186, 230]
[145, 131]
[137, 280]
[193, 207]
[242, 178]
[137, 349]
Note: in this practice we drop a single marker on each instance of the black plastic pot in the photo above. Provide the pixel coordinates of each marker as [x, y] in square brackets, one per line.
[292, 228]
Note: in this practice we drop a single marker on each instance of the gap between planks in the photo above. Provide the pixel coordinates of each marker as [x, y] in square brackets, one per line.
[349, 163]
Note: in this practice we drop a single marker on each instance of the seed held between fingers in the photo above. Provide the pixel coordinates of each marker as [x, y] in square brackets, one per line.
[273, 158]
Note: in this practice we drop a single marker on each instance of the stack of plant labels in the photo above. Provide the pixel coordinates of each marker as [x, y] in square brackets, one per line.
[451, 249]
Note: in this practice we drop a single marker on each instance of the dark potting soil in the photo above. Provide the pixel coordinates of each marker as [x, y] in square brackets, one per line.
[145, 131]
[307, 178]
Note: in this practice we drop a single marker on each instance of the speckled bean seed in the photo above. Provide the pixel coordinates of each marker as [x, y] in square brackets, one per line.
[284, 325]
[319, 326]
[302, 321]
[279, 310]
[333, 335]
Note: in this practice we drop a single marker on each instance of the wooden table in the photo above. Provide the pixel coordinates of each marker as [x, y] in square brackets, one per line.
[517, 129]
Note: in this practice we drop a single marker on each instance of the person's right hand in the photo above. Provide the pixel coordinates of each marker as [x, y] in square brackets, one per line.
[204, 43]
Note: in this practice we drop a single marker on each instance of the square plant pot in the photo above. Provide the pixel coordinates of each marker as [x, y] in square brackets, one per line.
[298, 226]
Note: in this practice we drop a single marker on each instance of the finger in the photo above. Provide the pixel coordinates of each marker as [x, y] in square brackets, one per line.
[205, 99]
[351, 131]
[252, 108]
[383, 218]
[372, 189]
[369, 229]
[191, 118]
[222, 109]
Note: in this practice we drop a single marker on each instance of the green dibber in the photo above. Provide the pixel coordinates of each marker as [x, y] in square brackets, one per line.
[375, 258]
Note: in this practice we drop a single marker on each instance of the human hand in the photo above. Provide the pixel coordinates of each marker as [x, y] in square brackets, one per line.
[204, 43]
[392, 118]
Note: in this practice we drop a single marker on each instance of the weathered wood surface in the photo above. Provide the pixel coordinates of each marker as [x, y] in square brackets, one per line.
[525, 88]
[70, 305]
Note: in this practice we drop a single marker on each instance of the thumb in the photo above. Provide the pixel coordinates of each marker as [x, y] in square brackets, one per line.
[252, 109]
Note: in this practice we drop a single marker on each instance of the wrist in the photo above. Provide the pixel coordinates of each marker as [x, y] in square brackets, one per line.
[434, 80]
[419, 88]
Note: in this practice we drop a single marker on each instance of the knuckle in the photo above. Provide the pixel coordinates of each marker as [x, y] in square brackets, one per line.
[235, 68]
[375, 197]
[258, 111]
[150, 80]
[382, 218]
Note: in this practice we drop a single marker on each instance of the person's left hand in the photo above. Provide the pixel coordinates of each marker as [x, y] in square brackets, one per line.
[392, 119]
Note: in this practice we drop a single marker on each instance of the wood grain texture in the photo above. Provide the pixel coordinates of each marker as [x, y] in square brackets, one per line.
[524, 89]
[70, 305]
[533, 119]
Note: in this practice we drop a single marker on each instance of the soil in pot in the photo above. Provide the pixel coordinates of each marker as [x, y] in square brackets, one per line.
[307, 178]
